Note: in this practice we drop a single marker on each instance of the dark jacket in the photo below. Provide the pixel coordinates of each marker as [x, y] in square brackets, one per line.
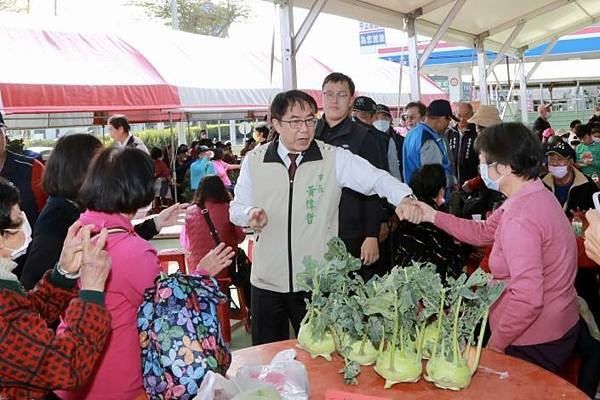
[49, 234]
[427, 243]
[48, 237]
[466, 159]
[580, 193]
[25, 173]
[360, 216]
[377, 139]
[399, 142]
[539, 126]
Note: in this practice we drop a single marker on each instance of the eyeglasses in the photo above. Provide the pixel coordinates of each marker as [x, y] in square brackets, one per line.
[329, 96]
[297, 123]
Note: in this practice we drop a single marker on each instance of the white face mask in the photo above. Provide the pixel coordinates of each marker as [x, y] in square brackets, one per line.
[596, 140]
[558, 172]
[485, 176]
[26, 228]
[382, 125]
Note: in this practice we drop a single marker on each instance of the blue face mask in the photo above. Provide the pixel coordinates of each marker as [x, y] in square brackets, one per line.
[491, 184]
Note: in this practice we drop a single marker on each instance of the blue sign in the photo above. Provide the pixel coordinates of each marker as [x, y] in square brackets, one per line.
[366, 26]
[372, 38]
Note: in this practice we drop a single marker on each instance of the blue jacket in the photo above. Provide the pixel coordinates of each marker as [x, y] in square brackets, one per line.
[412, 151]
[198, 170]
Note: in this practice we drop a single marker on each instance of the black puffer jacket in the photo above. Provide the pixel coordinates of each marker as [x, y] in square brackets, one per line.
[360, 216]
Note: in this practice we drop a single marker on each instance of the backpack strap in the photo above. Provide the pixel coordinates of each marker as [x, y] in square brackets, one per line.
[211, 226]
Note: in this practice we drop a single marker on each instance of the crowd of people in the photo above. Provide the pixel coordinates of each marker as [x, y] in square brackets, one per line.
[439, 188]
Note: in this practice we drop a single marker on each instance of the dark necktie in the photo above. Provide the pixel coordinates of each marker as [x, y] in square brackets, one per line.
[293, 166]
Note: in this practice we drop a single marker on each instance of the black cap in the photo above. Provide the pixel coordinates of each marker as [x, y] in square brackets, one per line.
[364, 103]
[440, 108]
[382, 108]
[562, 149]
[203, 149]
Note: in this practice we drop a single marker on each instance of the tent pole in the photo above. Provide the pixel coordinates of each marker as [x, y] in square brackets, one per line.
[523, 90]
[307, 24]
[188, 134]
[174, 15]
[288, 53]
[542, 57]
[413, 60]
[173, 155]
[441, 31]
[510, 94]
[400, 86]
[481, 62]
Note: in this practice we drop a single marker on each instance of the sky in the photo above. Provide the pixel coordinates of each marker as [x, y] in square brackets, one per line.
[331, 36]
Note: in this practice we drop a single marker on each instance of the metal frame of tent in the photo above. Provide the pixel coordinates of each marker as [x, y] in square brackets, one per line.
[510, 29]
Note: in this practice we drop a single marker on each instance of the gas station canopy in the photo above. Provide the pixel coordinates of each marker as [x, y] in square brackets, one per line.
[508, 28]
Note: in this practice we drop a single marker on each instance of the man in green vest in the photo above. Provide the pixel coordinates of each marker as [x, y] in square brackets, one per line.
[289, 192]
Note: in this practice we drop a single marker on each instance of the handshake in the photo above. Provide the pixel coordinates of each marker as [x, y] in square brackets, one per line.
[409, 209]
[415, 211]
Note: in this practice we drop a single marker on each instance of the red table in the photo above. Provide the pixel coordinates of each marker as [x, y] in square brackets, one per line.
[526, 381]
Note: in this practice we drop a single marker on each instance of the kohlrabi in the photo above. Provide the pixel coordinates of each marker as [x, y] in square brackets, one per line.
[430, 336]
[363, 351]
[326, 280]
[463, 306]
[398, 300]
[317, 346]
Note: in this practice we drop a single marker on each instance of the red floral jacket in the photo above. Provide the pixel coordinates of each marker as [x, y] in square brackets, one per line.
[33, 359]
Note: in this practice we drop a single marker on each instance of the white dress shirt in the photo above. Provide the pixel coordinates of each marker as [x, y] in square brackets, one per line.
[137, 141]
[352, 171]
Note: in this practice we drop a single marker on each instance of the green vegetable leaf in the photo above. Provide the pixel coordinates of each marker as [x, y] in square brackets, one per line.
[351, 371]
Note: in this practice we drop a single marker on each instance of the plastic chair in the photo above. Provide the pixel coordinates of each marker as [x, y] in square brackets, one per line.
[175, 255]
[250, 249]
[223, 310]
[242, 315]
[225, 314]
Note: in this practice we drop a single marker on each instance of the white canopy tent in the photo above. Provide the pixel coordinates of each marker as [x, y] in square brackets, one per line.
[508, 27]
[215, 73]
[155, 73]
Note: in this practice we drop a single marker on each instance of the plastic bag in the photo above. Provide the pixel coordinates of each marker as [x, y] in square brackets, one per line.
[285, 378]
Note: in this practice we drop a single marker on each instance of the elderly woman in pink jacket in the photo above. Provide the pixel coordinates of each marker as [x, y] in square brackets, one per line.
[119, 182]
[534, 250]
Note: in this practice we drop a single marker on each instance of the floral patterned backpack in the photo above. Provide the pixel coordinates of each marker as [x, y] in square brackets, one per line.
[180, 335]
